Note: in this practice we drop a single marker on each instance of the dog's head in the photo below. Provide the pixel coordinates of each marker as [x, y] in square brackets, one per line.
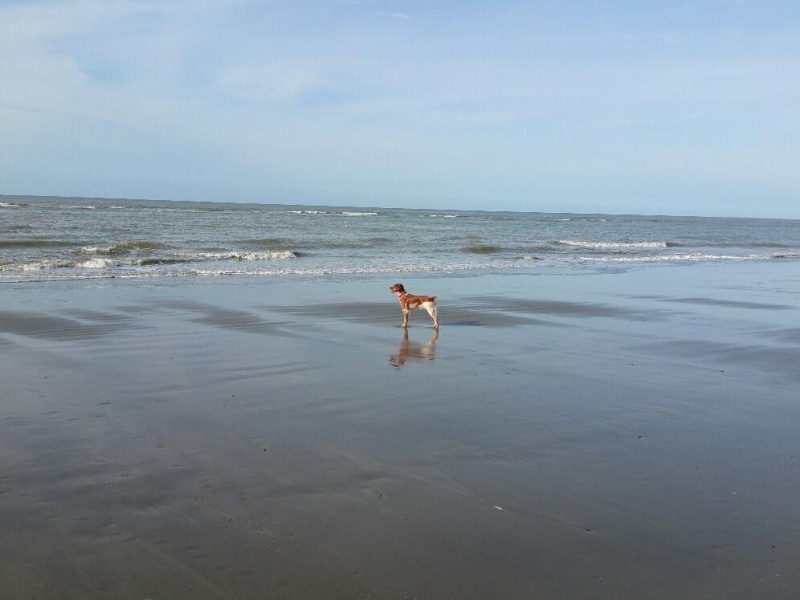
[397, 288]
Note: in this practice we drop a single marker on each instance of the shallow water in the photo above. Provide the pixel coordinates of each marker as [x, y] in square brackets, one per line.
[70, 238]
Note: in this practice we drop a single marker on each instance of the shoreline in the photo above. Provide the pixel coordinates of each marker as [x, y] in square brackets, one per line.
[564, 436]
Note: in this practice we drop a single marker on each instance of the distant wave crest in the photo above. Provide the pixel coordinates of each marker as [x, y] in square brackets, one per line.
[126, 247]
[247, 256]
[343, 213]
[612, 245]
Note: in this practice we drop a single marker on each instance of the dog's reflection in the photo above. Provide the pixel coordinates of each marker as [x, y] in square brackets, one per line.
[410, 351]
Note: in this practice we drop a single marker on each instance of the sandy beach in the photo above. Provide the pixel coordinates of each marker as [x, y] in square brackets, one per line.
[628, 435]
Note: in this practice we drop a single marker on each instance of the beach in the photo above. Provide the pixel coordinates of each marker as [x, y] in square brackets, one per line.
[563, 436]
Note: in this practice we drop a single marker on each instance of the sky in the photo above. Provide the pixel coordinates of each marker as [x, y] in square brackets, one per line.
[596, 106]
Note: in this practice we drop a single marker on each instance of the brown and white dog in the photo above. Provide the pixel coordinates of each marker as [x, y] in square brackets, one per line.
[409, 301]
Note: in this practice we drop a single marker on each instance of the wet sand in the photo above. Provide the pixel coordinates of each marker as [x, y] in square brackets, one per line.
[626, 435]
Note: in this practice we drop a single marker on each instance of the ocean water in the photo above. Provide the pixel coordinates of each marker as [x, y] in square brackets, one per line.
[44, 239]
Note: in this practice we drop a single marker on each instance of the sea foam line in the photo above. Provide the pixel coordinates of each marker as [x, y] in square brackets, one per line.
[610, 245]
[100, 262]
[676, 258]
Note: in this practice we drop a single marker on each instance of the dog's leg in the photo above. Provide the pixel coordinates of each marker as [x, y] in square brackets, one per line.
[405, 317]
[431, 308]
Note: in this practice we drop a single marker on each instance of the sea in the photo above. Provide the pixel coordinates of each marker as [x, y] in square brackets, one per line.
[55, 238]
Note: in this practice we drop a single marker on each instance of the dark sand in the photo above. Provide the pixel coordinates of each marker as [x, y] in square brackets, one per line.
[592, 436]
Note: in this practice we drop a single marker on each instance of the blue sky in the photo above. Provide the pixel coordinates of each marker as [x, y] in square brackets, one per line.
[653, 107]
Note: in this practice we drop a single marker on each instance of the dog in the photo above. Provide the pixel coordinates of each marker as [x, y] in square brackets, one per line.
[409, 301]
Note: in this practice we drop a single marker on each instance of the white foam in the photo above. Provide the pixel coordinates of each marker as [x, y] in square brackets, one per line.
[321, 271]
[247, 256]
[96, 263]
[675, 258]
[345, 213]
[610, 245]
[96, 249]
[41, 265]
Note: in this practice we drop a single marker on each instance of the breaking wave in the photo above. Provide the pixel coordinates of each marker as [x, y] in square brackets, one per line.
[343, 213]
[100, 262]
[126, 247]
[613, 245]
